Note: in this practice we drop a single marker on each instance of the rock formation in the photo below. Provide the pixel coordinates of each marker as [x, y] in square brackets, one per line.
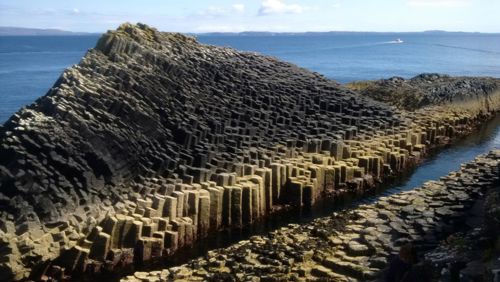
[426, 89]
[154, 140]
[352, 245]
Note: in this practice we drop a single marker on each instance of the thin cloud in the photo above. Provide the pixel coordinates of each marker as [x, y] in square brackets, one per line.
[239, 8]
[271, 7]
[216, 11]
[438, 3]
[213, 11]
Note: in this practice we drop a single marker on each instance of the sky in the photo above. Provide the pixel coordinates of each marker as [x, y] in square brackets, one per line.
[255, 15]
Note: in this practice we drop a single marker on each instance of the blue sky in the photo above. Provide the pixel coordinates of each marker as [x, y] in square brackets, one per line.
[256, 15]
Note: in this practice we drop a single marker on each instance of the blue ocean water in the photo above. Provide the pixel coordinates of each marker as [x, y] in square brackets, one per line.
[29, 65]
[354, 56]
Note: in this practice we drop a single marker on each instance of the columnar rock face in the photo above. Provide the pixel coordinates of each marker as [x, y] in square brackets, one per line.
[169, 137]
[352, 245]
[153, 141]
[145, 103]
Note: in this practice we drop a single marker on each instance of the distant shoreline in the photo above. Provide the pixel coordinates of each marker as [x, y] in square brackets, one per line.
[21, 31]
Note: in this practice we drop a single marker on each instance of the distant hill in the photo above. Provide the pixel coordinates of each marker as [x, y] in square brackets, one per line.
[19, 31]
[454, 32]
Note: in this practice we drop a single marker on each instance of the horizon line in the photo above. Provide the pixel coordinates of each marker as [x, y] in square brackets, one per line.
[254, 31]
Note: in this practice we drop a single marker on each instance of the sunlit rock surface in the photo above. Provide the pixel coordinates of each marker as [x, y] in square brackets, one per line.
[354, 245]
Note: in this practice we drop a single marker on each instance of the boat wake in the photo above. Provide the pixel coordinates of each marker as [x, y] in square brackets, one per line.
[397, 41]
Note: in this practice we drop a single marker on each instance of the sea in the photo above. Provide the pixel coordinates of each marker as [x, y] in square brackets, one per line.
[30, 65]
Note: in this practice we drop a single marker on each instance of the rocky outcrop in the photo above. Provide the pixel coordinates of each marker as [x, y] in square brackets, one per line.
[429, 89]
[473, 253]
[154, 140]
[352, 245]
[142, 124]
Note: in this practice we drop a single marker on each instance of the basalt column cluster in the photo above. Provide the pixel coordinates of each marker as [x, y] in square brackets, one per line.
[353, 245]
[156, 115]
[164, 215]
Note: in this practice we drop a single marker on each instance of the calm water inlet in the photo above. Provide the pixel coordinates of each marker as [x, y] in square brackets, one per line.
[449, 159]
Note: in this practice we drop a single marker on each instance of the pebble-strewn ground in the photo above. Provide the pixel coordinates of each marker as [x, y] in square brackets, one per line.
[347, 246]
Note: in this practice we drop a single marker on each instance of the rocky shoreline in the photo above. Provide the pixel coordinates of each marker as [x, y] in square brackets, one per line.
[153, 141]
[473, 253]
[429, 89]
[353, 245]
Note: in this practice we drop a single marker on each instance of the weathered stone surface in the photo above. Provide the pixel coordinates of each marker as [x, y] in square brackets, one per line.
[355, 245]
[427, 89]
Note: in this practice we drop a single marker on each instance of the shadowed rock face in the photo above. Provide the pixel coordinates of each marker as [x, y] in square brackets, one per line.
[426, 89]
[145, 103]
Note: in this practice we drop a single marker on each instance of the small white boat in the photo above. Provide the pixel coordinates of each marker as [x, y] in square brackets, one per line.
[398, 40]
